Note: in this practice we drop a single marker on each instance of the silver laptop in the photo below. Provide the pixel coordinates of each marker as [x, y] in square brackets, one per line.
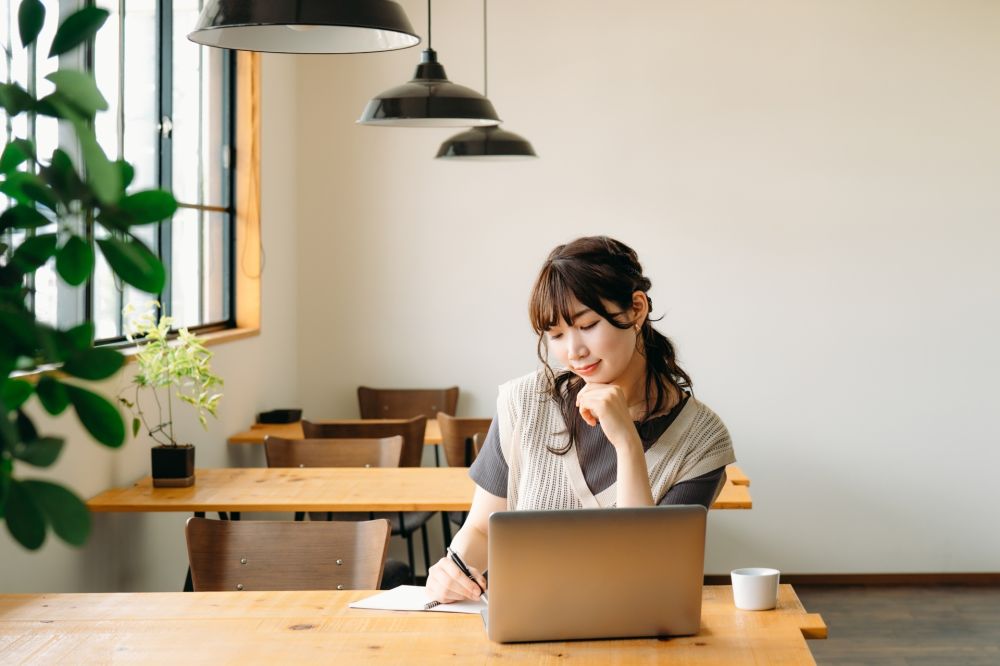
[595, 573]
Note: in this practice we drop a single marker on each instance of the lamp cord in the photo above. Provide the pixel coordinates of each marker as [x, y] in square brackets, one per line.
[430, 42]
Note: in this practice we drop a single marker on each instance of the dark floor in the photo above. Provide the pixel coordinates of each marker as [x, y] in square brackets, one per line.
[898, 625]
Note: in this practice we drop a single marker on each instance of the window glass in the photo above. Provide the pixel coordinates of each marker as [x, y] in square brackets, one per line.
[107, 301]
[200, 147]
[183, 147]
[142, 123]
[200, 254]
[52, 302]
[107, 49]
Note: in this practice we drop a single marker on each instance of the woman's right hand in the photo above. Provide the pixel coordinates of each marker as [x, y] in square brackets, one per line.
[446, 582]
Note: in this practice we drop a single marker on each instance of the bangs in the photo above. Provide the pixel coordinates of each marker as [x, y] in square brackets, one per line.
[553, 295]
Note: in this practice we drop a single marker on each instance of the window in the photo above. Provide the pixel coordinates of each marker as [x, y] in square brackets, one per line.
[171, 116]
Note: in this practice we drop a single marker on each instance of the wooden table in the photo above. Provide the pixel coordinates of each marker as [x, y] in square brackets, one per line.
[432, 437]
[258, 431]
[323, 489]
[295, 627]
[736, 476]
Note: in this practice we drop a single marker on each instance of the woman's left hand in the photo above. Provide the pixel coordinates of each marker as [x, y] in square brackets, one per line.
[605, 404]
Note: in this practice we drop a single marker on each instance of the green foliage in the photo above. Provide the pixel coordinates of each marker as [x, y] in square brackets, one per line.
[134, 263]
[181, 367]
[16, 152]
[30, 19]
[53, 395]
[77, 29]
[75, 261]
[55, 205]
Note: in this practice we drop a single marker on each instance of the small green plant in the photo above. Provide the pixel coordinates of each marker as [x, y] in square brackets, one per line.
[180, 368]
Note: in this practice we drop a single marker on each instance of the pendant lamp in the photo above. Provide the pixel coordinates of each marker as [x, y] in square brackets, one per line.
[304, 26]
[486, 144]
[429, 99]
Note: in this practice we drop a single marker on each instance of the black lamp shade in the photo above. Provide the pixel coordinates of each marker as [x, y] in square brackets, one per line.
[486, 144]
[430, 100]
[304, 26]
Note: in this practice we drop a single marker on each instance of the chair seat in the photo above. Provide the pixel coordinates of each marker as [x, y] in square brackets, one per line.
[412, 520]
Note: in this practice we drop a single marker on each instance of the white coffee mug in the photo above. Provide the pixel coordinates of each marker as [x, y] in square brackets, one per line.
[755, 588]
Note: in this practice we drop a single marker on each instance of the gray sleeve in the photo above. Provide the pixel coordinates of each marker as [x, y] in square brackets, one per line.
[489, 469]
[699, 490]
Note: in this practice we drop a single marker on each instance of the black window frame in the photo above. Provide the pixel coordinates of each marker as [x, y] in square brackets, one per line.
[164, 176]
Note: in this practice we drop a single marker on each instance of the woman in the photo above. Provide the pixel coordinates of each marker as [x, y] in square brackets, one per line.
[617, 426]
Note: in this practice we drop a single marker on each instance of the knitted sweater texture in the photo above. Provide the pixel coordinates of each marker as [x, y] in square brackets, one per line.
[530, 423]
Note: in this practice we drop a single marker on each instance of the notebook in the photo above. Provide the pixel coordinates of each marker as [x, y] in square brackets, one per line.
[414, 598]
[595, 573]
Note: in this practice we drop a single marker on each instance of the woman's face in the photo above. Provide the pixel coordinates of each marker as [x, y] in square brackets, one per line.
[594, 349]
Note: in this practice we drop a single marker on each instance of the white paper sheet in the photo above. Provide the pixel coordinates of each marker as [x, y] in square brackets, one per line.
[413, 598]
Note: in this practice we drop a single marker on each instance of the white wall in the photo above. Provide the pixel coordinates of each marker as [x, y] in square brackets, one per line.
[812, 188]
[146, 552]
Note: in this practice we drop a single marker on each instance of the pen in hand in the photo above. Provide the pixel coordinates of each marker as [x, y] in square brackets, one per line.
[464, 569]
[453, 556]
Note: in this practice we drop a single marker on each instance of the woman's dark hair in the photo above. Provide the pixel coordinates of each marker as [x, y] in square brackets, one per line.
[597, 270]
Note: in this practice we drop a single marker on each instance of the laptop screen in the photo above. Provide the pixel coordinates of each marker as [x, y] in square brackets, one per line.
[595, 573]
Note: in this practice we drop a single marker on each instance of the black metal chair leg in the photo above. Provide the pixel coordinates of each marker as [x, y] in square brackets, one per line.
[437, 457]
[300, 516]
[234, 515]
[427, 549]
[409, 552]
[446, 527]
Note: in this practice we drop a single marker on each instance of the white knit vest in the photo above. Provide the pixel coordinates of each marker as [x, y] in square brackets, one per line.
[529, 421]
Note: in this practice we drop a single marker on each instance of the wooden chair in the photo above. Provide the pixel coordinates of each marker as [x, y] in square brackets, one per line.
[412, 431]
[457, 439]
[382, 452]
[228, 555]
[406, 403]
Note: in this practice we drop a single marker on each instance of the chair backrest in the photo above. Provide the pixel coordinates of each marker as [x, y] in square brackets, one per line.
[406, 403]
[477, 442]
[456, 438]
[227, 555]
[411, 430]
[383, 452]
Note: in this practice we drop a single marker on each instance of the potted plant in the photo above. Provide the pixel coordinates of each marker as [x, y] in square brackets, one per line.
[52, 210]
[179, 369]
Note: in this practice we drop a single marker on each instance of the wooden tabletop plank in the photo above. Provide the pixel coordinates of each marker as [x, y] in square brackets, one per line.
[323, 489]
[737, 476]
[733, 497]
[258, 431]
[287, 627]
[298, 489]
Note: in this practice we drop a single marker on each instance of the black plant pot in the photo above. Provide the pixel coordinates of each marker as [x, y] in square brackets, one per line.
[173, 466]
